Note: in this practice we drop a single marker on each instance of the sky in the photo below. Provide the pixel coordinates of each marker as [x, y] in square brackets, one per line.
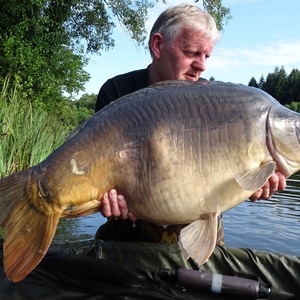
[262, 35]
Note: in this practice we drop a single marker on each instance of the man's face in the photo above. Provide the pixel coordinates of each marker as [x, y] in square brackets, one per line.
[185, 57]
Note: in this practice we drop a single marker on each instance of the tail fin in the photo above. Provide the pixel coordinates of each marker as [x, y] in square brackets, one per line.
[12, 191]
[28, 231]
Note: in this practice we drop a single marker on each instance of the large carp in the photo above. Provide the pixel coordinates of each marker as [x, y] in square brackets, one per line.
[180, 152]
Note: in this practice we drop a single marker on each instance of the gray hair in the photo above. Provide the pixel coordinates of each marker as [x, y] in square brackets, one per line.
[171, 21]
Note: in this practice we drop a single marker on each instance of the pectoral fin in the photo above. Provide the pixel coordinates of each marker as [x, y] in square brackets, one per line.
[28, 234]
[253, 180]
[198, 239]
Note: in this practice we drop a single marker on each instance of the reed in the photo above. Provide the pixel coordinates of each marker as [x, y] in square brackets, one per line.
[27, 135]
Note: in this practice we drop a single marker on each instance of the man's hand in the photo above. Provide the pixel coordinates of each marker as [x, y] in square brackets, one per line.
[115, 205]
[276, 182]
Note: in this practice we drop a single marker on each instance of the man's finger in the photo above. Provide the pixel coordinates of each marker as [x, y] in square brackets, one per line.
[266, 191]
[122, 206]
[273, 184]
[256, 195]
[105, 207]
[282, 181]
[114, 206]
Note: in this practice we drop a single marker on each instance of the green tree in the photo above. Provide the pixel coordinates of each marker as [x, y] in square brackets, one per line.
[293, 86]
[83, 108]
[218, 11]
[253, 82]
[275, 84]
[285, 88]
[86, 100]
[295, 106]
[262, 82]
[34, 51]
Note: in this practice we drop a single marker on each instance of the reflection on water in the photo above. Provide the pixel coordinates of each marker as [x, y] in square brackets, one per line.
[271, 225]
[78, 229]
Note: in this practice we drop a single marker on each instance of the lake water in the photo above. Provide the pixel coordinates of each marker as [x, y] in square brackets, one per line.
[270, 225]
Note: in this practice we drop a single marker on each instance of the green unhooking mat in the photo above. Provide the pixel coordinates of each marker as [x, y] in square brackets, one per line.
[127, 270]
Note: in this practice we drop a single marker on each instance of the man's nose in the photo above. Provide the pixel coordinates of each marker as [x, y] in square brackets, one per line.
[199, 63]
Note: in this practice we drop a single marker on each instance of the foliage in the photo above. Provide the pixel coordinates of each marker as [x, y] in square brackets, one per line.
[283, 87]
[261, 83]
[275, 84]
[27, 135]
[35, 52]
[253, 82]
[87, 101]
[294, 106]
[218, 11]
[83, 108]
[293, 86]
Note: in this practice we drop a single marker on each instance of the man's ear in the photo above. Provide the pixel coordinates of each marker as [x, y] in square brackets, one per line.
[156, 43]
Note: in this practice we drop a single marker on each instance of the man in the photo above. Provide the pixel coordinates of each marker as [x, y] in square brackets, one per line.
[181, 40]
